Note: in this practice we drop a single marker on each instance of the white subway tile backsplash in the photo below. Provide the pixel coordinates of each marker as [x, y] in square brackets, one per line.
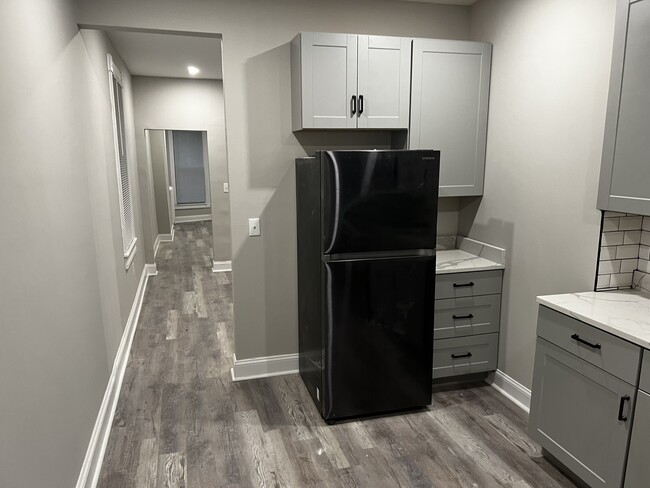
[610, 224]
[624, 258]
[627, 252]
[644, 266]
[646, 223]
[603, 281]
[644, 252]
[645, 238]
[612, 238]
[630, 223]
[609, 267]
[629, 265]
[621, 280]
[608, 252]
[632, 237]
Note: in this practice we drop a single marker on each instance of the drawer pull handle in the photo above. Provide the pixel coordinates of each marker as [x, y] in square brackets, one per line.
[463, 285]
[458, 356]
[468, 316]
[586, 343]
[624, 398]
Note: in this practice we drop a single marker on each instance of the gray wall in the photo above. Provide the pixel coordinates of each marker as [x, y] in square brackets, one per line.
[184, 104]
[261, 146]
[60, 293]
[550, 75]
[159, 171]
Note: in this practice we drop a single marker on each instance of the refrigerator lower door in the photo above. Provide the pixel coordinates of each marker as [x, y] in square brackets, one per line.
[378, 335]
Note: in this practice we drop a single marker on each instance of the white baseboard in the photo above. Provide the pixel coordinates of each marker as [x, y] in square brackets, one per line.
[162, 238]
[192, 218]
[264, 367]
[92, 464]
[511, 389]
[218, 266]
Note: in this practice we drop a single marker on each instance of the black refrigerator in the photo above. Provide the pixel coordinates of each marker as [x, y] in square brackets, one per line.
[366, 279]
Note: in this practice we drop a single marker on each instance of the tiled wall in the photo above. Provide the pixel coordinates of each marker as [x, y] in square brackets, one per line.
[624, 252]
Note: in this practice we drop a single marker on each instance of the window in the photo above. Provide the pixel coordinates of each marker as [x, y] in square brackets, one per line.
[190, 169]
[121, 160]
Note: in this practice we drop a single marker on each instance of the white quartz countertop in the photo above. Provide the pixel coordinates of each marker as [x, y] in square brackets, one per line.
[462, 254]
[457, 261]
[624, 313]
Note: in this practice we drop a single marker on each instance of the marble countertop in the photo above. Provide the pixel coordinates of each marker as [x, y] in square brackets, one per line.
[470, 255]
[624, 313]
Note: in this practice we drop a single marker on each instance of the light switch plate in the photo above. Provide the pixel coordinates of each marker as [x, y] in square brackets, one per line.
[254, 227]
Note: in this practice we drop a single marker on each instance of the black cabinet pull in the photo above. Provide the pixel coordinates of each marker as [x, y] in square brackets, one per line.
[624, 398]
[354, 104]
[462, 285]
[586, 343]
[457, 356]
[468, 316]
[360, 105]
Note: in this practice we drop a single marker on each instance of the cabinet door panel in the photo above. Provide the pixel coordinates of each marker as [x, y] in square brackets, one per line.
[329, 80]
[574, 415]
[384, 71]
[637, 473]
[625, 171]
[449, 110]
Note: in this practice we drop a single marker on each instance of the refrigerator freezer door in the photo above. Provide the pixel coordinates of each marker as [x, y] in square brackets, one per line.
[379, 200]
[378, 335]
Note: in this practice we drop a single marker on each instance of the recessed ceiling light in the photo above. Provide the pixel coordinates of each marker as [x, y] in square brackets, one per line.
[193, 70]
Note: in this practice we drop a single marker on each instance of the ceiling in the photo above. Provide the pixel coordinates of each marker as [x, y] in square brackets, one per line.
[168, 55]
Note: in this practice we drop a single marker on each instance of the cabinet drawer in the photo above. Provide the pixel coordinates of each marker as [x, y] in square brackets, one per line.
[463, 355]
[459, 317]
[457, 285]
[644, 382]
[608, 352]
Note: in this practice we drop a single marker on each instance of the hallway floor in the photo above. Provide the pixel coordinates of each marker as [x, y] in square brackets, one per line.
[182, 422]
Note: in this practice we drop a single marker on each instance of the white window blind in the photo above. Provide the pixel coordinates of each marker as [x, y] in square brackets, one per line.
[121, 158]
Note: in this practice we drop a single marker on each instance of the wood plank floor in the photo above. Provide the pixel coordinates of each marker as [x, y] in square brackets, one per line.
[182, 422]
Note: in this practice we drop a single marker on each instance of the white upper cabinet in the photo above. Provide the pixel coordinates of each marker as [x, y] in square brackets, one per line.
[449, 107]
[625, 167]
[348, 81]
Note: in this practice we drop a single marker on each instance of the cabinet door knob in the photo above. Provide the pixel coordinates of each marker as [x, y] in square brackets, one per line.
[354, 104]
[624, 398]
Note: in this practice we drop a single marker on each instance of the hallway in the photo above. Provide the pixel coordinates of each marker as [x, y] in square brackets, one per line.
[181, 421]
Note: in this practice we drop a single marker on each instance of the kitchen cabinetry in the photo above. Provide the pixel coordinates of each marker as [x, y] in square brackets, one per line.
[584, 389]
[637, 472]
[449, 108]
[349, 81]
[466, 325]
[625, 167]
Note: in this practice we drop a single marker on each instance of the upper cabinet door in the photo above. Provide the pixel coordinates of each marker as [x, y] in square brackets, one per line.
[625, 169]
[384, 69]
[327, 70]
[449, 106]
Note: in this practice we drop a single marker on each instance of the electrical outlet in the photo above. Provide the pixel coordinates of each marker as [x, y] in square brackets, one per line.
[254, 227]
[226, 188]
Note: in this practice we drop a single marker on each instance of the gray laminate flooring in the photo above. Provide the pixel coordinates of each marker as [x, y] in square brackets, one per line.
[182, 422]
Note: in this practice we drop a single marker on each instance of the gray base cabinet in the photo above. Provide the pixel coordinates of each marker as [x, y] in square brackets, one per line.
[625, 167]
[637, 473]
[582, 406]
[466, 324]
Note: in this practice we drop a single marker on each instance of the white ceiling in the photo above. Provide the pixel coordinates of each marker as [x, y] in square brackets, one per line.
[446, 2]
[168, 55]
